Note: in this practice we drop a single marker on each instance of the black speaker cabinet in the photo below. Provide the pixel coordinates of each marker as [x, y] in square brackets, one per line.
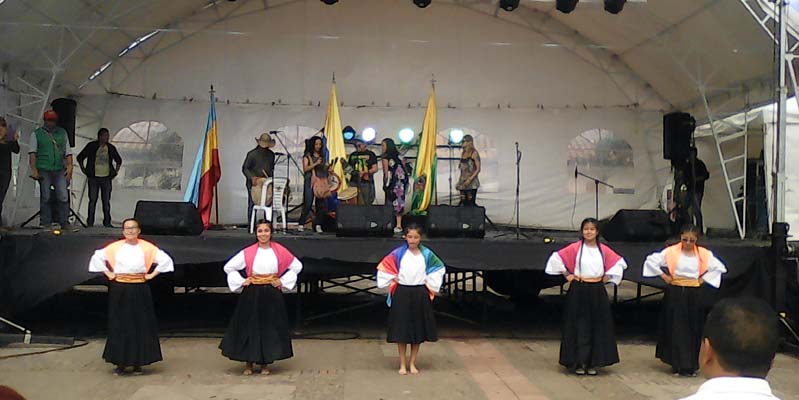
[66, 110]
[637, 226]
[355, 221]
[449, 221]
[168, 218]
[678, 127]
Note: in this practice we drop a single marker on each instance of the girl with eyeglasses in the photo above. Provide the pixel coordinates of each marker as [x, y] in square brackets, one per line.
[685, 267]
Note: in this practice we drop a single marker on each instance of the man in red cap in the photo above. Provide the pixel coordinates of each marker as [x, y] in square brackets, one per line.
[51, 165]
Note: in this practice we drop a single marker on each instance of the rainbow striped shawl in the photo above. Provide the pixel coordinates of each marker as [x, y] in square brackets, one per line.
[391, 265]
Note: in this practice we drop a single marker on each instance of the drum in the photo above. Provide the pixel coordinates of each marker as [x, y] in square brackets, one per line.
[348, 195]
[255, 192]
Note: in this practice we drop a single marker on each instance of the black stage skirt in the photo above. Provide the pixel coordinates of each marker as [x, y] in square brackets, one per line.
[587, 337]
[410, 317]
[259, 329]
[132, 326]
[682, 319]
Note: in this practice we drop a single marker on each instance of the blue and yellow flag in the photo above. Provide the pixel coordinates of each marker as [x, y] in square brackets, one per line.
[207, 170]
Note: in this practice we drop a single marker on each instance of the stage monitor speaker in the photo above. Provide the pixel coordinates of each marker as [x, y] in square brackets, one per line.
[66, 110]
[448, 221]
[168, 218]
[637, 226]
[355, 221]
[677, 130]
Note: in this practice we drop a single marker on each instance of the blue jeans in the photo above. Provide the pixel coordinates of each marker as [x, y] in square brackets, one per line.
[58, 180]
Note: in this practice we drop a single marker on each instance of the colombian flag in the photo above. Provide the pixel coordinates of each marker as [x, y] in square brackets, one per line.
[424, 173]
[335, 138]
[207, 170]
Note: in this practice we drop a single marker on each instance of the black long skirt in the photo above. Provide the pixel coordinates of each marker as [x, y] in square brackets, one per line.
[588, 338]
[259, 329]
[682, 319]
[411, 318]
[132, 326]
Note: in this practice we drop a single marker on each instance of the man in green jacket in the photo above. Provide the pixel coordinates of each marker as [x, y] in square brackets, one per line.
[51, 165]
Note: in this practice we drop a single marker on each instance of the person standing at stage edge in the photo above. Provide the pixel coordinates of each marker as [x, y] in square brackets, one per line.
[7, 146]
[101, 167]
[129, 264]
[587, 340]
[686, 268]
[258, 165]
[51, 165]
[364, 162]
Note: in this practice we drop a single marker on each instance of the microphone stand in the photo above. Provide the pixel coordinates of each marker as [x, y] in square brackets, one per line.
[519, 233]
[597, 182]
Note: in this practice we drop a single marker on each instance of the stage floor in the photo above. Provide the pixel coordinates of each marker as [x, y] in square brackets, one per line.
[37, 264]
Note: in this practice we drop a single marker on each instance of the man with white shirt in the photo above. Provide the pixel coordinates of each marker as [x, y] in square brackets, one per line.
[738, 347]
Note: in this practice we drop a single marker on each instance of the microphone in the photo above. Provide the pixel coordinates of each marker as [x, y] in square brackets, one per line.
[575, 172]
[274, 132]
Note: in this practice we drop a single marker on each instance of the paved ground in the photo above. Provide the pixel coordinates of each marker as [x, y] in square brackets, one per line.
[360, 370]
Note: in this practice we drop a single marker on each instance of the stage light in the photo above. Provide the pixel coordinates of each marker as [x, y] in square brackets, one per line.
[330, 2]
[422, 3]
[614, 6]
[508, 5]
[456, 136]
[348, 132]
[406, 135]
[566, 6]
[369, 134]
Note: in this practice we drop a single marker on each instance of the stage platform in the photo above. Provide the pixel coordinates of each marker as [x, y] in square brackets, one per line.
[36, 264]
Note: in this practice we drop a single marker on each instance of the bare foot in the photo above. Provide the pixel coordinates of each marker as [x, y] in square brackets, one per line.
[247, 371]
[414, 371]
[403, 371]
[265, 371]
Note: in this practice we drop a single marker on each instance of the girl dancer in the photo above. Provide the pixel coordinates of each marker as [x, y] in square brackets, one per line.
[413, 274]
[685, 267]
[259, 329]
[587, 340]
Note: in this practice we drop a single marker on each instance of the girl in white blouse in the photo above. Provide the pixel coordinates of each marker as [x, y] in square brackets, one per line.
[686, 268]
[413, 274]
[587, 339]
[132, 326]
[258, 332]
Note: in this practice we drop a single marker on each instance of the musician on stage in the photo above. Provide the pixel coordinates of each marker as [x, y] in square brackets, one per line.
[686, 267]
[258, 165]
[258, 332]
[132, 326]
[364, 163]
[313, 164]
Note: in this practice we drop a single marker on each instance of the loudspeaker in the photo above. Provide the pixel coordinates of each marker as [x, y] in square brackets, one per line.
[448, 221]
[66, 110]
[677, 130]
[354, 220]
[168, 218]
[637, 226]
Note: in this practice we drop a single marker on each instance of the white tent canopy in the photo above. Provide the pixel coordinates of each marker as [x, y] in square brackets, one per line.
[564, 86]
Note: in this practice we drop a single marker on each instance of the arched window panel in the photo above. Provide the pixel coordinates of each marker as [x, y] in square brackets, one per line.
[152, 156]
[601, 154]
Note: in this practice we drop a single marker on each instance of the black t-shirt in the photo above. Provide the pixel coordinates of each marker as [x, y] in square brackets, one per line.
[362, 161]
[5, 156]
[686, 175]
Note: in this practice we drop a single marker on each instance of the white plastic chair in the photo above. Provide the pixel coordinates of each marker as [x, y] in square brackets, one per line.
[261, 206]
[279, 186]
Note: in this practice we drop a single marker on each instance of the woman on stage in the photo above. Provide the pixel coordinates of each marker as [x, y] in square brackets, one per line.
[259, 329]
[469, 167]
[685, 267]
[413, 275]
[132, 326]
[587, 340]
[395, 180]
[313, 162]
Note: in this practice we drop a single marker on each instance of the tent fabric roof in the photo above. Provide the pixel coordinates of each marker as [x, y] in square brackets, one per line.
[675, 47]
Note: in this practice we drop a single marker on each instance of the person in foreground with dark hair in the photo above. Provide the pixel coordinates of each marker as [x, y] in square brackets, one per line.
[259, 331]
[129, 264]
[587, 339]
[413, 275]
[686, 267]
[738, 348]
